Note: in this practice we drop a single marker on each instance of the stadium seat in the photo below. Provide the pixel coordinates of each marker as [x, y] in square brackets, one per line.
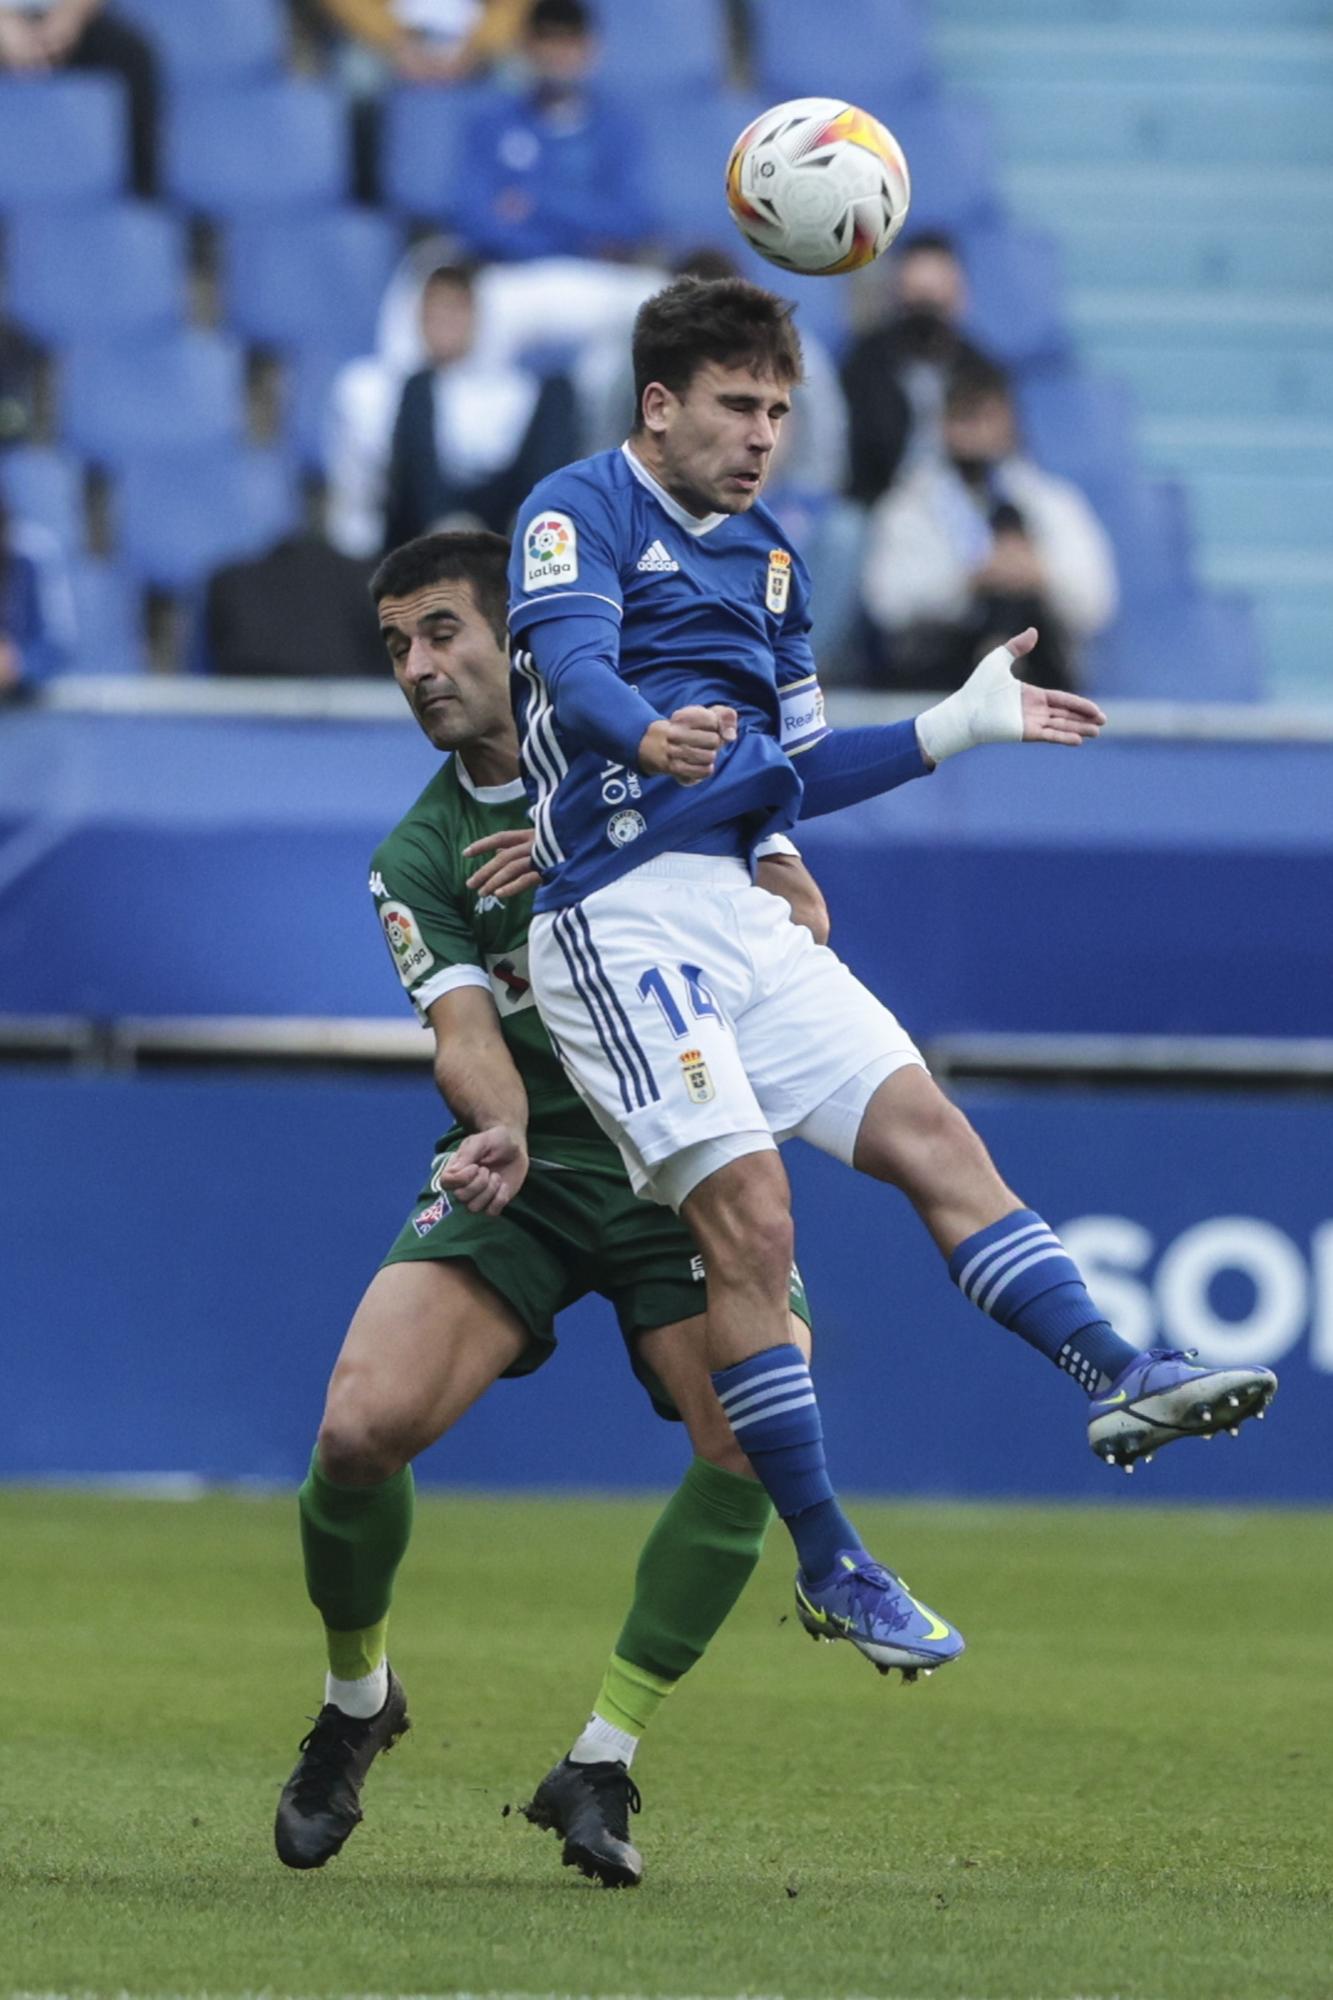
[258, 146]
[97, 273]
[182, 513]
[688, 137]
[951, 152]
[823, 305]
[185, 390]
[1016, 281]
[1072, 421]
[108, 618]
[218, 41]
[62, 139]
[651, 45]
[871, 50]
[313, 281]
[422, 133]
[308, 381]
[45, 486]
[1197, 646]
[1168, 123]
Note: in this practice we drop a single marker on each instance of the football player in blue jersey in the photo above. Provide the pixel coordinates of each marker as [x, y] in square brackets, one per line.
[671, 725]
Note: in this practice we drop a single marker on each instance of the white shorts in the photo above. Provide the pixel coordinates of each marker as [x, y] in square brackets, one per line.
[691, 1012]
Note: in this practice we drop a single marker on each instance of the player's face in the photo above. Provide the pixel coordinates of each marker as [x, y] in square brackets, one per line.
[716, 441]
[449, 664]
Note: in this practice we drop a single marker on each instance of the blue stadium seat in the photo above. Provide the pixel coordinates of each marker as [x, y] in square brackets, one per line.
[872, 51]
[651, 45]
[1072, 421]
[257, 147]
[108, 618]
[62, 139]
[1150, 529]
[213, 41]
[823, 305]
[97, 273]
[46, 487]
[688, 138]
[1017, 284]
[310, 375]
[422, 134]
[185, 390]
[950, 152]
[310, 280]
[1197, 646]
[182, 513]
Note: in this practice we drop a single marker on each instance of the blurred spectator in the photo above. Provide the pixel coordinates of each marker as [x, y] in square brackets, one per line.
[472, 435]
[551, 166]
[427, 41]
[968, 550]
[20, 362]
[36, 610]
[50, 34]
[895, 373]
[302, 609]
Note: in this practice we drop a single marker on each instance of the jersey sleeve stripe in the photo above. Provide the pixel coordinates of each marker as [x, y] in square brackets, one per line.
[448, 981]
[544, 759]
[613, 998]
[535, 603]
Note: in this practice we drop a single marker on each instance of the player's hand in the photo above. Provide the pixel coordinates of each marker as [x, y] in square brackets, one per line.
[508, 869]
[487, 1170]
[685, 745]
[992, 706]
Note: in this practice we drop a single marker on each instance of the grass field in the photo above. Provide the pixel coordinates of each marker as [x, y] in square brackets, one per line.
[1122, 1790]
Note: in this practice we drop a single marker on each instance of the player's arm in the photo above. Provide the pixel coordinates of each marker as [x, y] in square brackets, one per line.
[480, 1083]
[779, 869]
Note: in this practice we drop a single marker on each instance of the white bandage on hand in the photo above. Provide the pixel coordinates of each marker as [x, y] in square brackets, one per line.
[987, 708]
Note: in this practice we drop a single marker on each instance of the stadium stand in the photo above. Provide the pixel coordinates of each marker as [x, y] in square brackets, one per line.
[1172, 345]
[183, 513]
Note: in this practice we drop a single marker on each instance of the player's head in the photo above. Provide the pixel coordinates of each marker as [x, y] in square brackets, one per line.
[715, 363]
[560, 41]
[441, 602]
[980, 428]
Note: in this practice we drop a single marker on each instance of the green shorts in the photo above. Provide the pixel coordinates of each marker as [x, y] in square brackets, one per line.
[567, 1233]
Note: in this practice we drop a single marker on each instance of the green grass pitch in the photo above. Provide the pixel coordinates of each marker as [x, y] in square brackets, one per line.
[1122, 1790]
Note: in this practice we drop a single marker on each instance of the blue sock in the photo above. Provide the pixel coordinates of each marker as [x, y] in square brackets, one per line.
[1020, 1273]
[770, 1404]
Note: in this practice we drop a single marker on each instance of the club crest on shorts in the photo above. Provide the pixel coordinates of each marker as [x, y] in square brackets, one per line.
[411, 954]
[779, 581]
[698, 1082]
[426, 1221]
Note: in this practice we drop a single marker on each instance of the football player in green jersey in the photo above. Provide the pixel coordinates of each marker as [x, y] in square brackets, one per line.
[526, 1208]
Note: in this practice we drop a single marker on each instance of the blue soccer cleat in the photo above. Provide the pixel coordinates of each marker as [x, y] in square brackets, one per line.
[873, 1608]
[1161, 1397]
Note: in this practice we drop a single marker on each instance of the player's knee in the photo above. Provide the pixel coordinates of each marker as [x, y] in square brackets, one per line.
[359, 1443]
[756, 1234]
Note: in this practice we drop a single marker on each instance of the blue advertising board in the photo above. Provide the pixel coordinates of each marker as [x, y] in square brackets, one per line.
[179, 1255]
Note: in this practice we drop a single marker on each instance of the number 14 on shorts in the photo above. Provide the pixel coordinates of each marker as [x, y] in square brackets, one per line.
[655, 986]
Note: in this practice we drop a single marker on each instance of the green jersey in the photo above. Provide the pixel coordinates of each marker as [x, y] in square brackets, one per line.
[442, 935]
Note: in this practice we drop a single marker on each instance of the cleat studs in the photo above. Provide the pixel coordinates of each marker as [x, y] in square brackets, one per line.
[927, 1671]
[1129, 1465]
[1261, 1414]
[1147, 1458]
[1233, 1430]
[1233, 1402]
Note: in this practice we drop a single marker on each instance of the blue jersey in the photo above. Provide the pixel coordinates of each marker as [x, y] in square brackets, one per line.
[624, 607]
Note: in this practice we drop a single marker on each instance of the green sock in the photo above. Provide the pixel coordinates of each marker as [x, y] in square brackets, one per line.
[695, 1564]
[353, 1539]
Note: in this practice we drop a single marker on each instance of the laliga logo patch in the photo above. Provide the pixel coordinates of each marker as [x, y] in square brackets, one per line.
[697, 1080]
[550, 552]
[411, 954]
[623, 827]
[779, 581]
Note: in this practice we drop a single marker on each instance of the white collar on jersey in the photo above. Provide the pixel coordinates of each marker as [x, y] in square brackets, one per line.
[488, 795]
[680, 515]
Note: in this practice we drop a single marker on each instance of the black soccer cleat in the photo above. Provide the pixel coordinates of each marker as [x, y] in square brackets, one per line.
[589, 1806]
[321, 1801]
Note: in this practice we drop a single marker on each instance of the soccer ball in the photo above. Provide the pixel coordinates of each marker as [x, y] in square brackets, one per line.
[818, 186]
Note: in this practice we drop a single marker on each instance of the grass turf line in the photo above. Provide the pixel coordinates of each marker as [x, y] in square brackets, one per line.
[1120, 1791]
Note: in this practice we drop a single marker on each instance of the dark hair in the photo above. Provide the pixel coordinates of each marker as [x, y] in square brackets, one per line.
[974, 380]
[463, 277]
[559, 17]
[936, 241]
[472, 555]
[727, 320]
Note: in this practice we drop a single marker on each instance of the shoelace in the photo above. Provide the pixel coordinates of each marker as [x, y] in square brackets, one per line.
[882, 1579]
[325, 1749]
[616, 1789]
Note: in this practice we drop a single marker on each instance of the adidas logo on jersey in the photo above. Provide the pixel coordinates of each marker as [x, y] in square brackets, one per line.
[657, 560]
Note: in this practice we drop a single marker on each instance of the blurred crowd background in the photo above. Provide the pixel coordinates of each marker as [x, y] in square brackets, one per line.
[285, 281]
